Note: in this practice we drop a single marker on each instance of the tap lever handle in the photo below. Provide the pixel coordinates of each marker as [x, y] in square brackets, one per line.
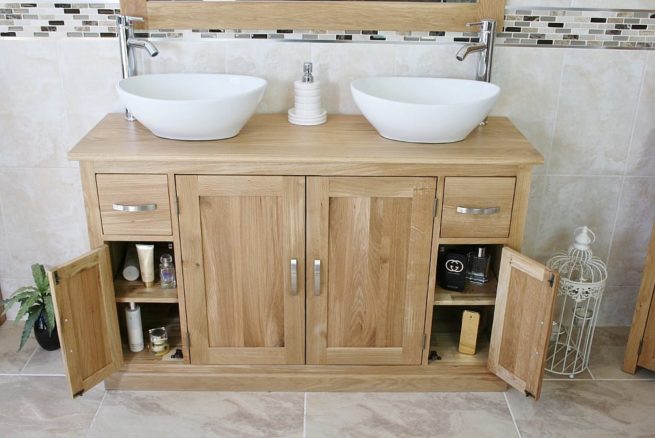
[127, 19]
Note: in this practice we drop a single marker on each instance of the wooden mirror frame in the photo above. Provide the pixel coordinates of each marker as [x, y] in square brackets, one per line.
[310, 14]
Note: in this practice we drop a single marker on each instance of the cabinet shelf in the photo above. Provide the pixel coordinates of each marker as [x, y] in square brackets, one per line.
[473, 295]
[136, 292]
[146, 357]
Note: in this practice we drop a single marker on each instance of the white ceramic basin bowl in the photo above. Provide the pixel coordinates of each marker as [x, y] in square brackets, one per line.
[190, 106]
[424, 110]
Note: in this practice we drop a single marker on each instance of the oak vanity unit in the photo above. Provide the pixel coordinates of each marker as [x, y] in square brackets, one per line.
[306, 260]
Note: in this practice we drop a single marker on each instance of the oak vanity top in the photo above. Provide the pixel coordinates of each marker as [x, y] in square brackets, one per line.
[342, 140]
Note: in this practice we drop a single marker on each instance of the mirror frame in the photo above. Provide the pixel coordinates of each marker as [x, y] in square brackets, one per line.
[315, 15]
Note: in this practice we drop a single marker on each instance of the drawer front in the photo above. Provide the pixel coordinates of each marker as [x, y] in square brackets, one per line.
[134, 204]
[477, 207]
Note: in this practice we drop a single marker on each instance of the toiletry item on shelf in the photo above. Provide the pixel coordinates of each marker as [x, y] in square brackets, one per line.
[468, 337]
[159, 341]
[451, 269]
[478, 266]
[131, 265]
[167, 272]
[146, 255]
[307, 98]
[134, 328]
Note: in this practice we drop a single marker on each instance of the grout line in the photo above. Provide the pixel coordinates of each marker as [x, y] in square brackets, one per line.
[304, 418]
[30, 375]
[28, 360]
[516, 426]
[547, 164]
[633, 379]
[591, 374]
[88, 431]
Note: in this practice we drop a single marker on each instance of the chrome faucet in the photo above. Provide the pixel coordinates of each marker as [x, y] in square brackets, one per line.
[485, 47]
[128, 42]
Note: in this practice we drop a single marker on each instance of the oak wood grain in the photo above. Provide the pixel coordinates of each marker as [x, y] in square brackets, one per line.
[521, 326]
[87, 323]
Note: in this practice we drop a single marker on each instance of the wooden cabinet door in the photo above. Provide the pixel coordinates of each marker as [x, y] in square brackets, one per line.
[522, 321]
[242, 240]
[368, 257]
[83, 298]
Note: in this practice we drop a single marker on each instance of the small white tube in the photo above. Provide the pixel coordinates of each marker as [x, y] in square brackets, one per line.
[134, 328]
[146, 255]
[131, 265]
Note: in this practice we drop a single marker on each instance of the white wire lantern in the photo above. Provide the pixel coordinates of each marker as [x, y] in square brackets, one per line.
[582, 283]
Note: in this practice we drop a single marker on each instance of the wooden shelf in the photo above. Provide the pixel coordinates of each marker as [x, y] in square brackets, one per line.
[473, 295]
[136, 292]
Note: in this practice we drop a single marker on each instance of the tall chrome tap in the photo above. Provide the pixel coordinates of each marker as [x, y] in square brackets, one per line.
[485, 46]
[128, 42]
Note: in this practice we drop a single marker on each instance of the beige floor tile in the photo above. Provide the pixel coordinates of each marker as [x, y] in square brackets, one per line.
[408, 415]
[585, 375]
[199, 414]
[12, 361]
[607, 353]
[45, 362]
[43, 407]
[587, 409]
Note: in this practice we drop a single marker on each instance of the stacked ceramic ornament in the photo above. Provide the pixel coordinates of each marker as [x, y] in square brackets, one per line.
[308, 109]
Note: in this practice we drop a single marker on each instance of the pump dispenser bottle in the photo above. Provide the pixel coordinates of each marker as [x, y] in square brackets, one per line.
[307, 98]
[134, 327]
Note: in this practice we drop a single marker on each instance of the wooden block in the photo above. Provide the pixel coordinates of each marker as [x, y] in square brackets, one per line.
[469, 335]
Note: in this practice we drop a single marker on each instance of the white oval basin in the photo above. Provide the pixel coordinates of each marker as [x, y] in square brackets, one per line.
[424, 110]
[190, 106]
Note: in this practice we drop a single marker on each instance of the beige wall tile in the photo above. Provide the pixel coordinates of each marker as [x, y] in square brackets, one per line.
[185, 57]
[45, 218]
[571, 202]
[596, 111]
[529, 80]
[32, 110]
[556, 3]
[634, 223]
[531, 236]
[641, 159]
[617, 306]
[337, 65]
[434, 60]
[280, 64]
[613, 4]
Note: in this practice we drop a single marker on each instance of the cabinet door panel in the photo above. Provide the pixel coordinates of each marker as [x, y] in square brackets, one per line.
[239, 235]
[83, 297]
[372, 237]
[522, 321]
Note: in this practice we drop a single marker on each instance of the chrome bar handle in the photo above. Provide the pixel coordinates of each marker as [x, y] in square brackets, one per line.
[134, 208]
[294, 277]
[478, 211]
[317, 278]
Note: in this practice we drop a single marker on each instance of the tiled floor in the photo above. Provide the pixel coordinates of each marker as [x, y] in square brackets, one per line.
[34, 401]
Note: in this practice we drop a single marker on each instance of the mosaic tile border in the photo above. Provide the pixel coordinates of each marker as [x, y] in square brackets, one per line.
[524, 26]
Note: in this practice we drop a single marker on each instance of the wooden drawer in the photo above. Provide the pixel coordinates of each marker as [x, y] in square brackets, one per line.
[477, 207]
[134, 204]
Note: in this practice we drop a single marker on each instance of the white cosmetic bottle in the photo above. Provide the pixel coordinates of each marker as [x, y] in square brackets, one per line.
[308, 109]
[134, 328]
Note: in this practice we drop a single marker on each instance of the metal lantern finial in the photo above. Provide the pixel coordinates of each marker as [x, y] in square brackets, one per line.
[582, 282]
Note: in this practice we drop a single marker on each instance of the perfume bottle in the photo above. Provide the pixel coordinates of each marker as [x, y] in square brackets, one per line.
[478, 266]
[167, 272]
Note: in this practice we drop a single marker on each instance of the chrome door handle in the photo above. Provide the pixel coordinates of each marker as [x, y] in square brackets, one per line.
[317, 278]
[134, 208]
[294, 277]
[478, 211]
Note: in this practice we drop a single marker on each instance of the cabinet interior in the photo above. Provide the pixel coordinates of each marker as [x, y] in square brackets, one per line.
[449, 307]
[159, 307]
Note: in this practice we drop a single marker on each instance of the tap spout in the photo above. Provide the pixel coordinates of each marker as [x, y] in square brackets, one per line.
[467, 49]
[141, 44]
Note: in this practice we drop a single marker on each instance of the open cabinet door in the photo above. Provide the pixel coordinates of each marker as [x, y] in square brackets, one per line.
[522, 321]
[83, 296]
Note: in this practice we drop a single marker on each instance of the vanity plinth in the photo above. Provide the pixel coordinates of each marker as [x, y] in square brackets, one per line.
[306, 259]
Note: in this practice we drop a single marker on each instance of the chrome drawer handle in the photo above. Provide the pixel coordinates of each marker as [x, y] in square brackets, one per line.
[317, 278]
[134, 208]
[294, 277]
[482, 211]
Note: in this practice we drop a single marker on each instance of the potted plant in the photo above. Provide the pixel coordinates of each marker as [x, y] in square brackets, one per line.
[36, 302]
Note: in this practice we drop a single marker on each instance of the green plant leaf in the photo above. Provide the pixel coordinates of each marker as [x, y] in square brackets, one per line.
[29, 325]
[40, 278]
[50, 314]
[22, 293]
[26, 306]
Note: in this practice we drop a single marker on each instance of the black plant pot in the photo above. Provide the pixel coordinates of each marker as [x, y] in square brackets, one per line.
[43, 337]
